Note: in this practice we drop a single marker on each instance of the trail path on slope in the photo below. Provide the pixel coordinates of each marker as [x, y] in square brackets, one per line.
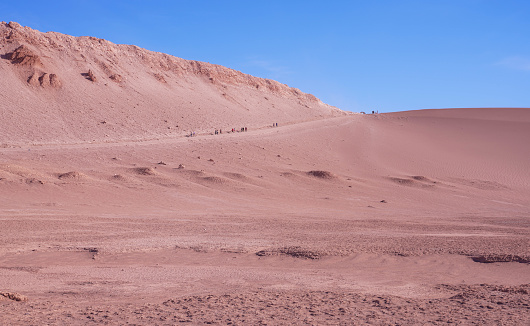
[251, 133]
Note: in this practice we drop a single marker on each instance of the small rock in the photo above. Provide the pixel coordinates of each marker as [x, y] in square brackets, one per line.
[91, 76]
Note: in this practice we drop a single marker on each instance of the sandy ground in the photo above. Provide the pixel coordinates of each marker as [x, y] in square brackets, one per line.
[245, 233]
[109, 214]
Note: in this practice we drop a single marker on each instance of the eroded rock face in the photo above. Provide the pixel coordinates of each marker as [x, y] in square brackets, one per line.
[23, 55]
[34, 80]
[44, 80]
[14, 25]
[55, 82]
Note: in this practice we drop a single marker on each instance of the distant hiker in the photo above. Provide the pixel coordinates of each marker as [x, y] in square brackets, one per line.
[245, 128]
[242, 129]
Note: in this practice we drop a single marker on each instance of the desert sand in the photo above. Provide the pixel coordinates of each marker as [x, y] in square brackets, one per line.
[111, 214]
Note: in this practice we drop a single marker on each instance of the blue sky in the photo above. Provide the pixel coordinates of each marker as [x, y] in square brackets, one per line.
[357, 55]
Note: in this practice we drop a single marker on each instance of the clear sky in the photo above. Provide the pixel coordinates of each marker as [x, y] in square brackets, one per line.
[386, 55]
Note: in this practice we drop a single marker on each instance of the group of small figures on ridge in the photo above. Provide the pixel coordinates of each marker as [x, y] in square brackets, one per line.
[220, 131]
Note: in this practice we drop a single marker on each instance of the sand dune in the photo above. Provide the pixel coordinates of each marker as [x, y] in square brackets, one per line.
[110, 214]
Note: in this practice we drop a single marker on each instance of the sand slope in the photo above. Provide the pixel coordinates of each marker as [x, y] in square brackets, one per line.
[130, 93]
[331, 218]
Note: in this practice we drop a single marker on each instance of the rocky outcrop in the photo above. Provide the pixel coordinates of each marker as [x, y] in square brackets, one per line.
[23, 55]
[75, 83]
[44, 80]
[91, 76]
[26, 57]
[114, 53]
[116, 77]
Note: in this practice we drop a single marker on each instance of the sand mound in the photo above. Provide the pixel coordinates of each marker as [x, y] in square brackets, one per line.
[17, 173]
[321, 174]
[72, 175]
[234, 175]
[194, 173]
[214, 180]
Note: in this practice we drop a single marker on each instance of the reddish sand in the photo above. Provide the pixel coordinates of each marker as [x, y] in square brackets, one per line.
[110, 214]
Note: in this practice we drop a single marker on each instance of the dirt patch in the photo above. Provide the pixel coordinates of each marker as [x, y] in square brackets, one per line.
[160, 78]
[116, 78]
[34, 181]
[421, 178]
[403, 181]
[73, 175]
[190, 172]
[13, 296]
[92, 251]
[501, 259]
[321, 174]
[118, 177]
[144, 171]
[215, 180]
[473, 305]
[481, 184]
[295, 251]
[288, 174]
[235, 175]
